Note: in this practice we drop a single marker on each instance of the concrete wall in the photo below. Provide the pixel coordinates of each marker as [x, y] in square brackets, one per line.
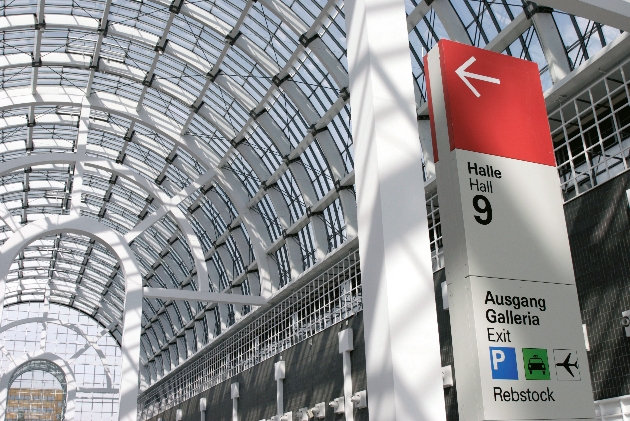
[313, 374]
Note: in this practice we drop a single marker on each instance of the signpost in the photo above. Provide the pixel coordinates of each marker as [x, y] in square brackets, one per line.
[517, 335]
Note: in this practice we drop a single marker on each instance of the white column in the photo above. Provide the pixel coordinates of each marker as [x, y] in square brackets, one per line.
[235, 395]
[202, 409]
[346, 345]
[403, 366]
[130, 348]
[279, 376]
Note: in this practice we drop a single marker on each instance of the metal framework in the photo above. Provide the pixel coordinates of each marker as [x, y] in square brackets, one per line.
[211, 140]
[86, 358]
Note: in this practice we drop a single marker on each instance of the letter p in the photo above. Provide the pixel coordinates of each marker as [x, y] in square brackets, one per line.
[498, 356]
[503, 363]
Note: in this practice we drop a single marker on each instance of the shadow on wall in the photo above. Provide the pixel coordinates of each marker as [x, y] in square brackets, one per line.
[314, 373]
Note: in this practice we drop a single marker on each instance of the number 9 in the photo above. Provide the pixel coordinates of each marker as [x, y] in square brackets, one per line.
[487, 209]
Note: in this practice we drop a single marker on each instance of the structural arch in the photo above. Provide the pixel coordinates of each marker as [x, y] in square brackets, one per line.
[24, 362]
[133, 289]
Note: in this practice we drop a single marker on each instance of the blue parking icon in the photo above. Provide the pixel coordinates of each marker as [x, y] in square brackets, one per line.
[503, 363]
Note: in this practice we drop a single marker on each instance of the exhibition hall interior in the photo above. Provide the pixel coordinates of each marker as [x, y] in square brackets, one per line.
[302, 210]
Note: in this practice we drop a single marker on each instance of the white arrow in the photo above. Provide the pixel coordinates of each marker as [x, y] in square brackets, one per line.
[462, 73]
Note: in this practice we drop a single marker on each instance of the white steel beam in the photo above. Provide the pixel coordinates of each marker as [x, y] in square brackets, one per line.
[418, 13]
[308, 35]
[214, 297]
[615, 13]
[8, 219]
[230, 37]
[102, 27]
[37, 55]
[159, 48]
[510, 33]
[551, 43]
[399, 315]
[82, 140]
[25, 190]
[451, 21]
[29, 131]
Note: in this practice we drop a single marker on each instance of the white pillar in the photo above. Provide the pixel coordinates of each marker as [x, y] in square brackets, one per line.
[279, 376]
[202, 409]
[235, 395]
[130, 347]
[346, 345]
[403, 366]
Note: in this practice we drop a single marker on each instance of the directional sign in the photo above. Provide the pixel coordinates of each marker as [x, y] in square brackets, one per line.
[489, 96]
[515, 319]
[464, 75]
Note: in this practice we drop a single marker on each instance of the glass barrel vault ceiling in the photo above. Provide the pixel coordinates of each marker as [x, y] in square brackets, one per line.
[213, 134]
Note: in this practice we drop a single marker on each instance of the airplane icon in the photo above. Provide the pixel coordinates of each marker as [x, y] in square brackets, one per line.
[567, 365]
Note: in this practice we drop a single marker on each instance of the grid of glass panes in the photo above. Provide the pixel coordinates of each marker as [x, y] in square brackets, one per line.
[326, 300]
[99, 371]
[591, 133]
[37, 391]
[582, 37]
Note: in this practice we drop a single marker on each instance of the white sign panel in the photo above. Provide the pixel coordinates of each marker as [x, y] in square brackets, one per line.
[515, 319]
[530, 349]
[513, 217]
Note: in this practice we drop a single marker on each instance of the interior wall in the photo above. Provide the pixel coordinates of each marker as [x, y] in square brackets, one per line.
[313, 374]
[599, 233]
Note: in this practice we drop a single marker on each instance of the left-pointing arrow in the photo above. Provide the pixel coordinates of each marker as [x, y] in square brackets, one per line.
[464, 75]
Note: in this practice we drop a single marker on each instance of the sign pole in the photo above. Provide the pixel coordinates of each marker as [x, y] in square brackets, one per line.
[515, 319]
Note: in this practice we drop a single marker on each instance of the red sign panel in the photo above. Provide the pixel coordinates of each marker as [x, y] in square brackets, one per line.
[494, 104]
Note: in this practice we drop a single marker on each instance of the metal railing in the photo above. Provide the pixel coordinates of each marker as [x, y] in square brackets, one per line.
[322, 302]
